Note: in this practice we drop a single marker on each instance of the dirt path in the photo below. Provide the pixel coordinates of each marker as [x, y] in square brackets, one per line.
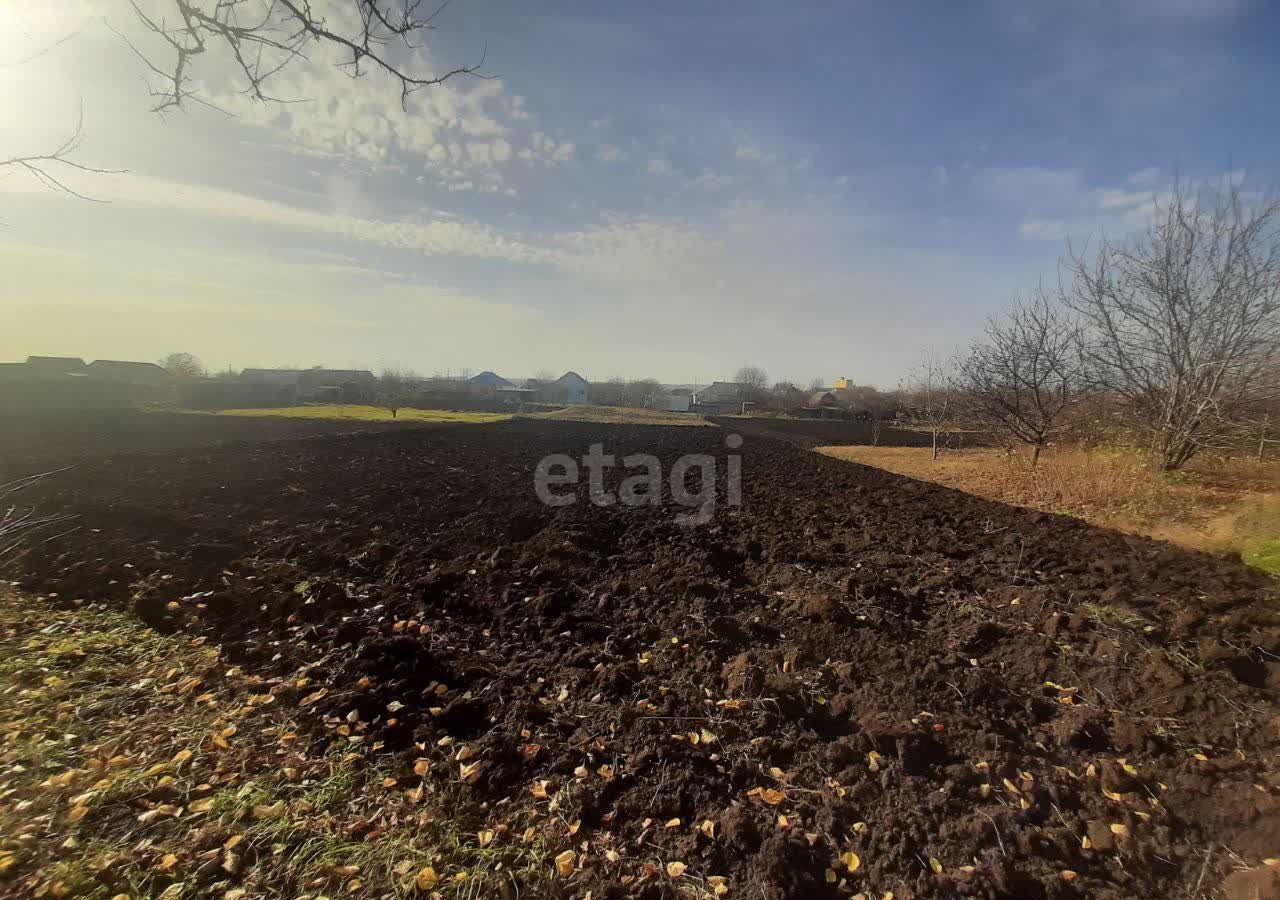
[852, 683]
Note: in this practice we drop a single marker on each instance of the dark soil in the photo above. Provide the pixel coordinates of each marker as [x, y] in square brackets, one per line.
[32, 441]
[973, 698]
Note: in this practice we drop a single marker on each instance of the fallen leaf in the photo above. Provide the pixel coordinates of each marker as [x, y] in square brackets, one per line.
[426, 878]
[772, 796]
[565, 863]
[850, 861]
[676, 869]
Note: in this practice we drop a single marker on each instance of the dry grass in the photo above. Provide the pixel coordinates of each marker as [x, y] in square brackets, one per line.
[1213, 505]
[621, 415]
[139, 765]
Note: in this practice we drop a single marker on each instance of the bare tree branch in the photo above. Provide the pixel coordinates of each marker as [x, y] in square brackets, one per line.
[928, 398]
[395, 389]
[1182, 324]
[17, 524]
[263, 37]
[43, 166]
[48, 48]
[1022, 379]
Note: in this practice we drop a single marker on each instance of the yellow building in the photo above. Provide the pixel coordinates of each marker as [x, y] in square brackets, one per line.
[842, 383]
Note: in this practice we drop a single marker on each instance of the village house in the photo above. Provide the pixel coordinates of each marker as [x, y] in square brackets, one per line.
[722, 398]
[568, 388]
[125, 372]
[488, 383]
[822, 405]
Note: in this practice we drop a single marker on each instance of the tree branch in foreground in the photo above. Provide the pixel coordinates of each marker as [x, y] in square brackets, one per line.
[43, 166]
[16, 524]
[263, 37]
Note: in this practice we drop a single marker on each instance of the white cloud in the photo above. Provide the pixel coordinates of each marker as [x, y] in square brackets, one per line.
[1044, 231]
[1144, 176]
[610, 153]
[517, 111]
[1062, 204]
[752, 153]
[362, 120]
[443, 236]
[659, 166]
[632, 251]
[547, 150]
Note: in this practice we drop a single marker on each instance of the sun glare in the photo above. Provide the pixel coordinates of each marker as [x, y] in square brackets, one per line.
[32, 49]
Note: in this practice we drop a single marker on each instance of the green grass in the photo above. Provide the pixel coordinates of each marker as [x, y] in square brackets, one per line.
[362, 414]
[1255, 533]
[1263, 554]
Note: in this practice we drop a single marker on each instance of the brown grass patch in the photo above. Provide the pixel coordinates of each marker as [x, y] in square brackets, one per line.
[1212, 505]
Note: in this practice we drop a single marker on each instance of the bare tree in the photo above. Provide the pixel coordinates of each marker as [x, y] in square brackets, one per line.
[928, 398]
[395, 388]
[643, 393]
[263, 37]
[1022, 379]
[754, 381]
[865, 401]
[816, 384]
[785, 397]
[609, 393]
[183, 365]
[1182, 323]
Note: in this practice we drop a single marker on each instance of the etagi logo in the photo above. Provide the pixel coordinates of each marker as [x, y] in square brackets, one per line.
[644, 487]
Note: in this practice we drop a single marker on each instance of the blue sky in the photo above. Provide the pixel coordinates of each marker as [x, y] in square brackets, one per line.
[667, 189]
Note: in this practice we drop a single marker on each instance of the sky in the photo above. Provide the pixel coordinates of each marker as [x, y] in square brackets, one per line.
[668, 189]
